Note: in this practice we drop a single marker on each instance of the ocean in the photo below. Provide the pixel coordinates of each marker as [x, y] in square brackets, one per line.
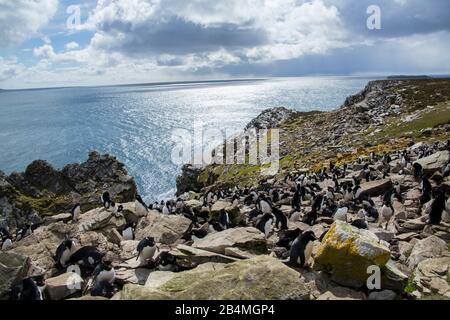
[135, 122]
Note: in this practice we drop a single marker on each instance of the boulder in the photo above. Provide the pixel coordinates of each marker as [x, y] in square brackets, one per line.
[247, 239]
[63, 286]
[194, 205]
[260, 278]
[434, 162]
[13, 268]
[392, 278]
[432, 276]
[100, 219]
[41, 245]
[166, 229]
[233, 211]
[430, 247]
[376, 187]
[346, 252]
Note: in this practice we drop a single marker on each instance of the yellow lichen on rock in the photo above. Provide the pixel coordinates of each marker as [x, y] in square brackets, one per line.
[346, 252]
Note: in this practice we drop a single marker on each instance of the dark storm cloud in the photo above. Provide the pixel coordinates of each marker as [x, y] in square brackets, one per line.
[178, 37]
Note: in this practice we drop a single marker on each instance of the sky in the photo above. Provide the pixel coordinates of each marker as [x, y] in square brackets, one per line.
[48, 43]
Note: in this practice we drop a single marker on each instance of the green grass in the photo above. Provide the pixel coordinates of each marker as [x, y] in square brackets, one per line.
[439, 116]
[410, 286]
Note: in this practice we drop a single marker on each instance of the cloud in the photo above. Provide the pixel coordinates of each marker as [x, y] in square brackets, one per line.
[163, 40]
[72, 45]
[246, 29]
[20, 19]
[44, 52]
[9, 68]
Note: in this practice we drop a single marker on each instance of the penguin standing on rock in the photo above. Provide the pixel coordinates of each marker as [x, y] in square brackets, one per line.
[387, 211]
[426, 191]
[265, 224]
[6, 239]
[64, 252]
[104, 271]
[301, 249]
[106, 200]
[437, 208]
[418, 170]
[76, 211]
[140, 206]
[264, 204]
[281, 221]
[32, 289]
[146, 250]
[224, 219]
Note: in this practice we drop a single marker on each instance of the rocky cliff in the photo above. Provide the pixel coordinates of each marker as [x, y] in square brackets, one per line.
[42, 190]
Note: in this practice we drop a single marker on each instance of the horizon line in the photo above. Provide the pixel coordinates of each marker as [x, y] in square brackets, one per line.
[175, 82]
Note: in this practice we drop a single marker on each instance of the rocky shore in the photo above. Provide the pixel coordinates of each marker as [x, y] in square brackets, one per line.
[234, 234]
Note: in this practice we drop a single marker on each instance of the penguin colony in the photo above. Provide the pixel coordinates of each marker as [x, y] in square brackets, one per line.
[332, 193]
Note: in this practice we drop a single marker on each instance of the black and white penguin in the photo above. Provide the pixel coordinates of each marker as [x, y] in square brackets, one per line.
[128, 232]
[146, 250]
[209, 198]
[301, 249]
[357, 191]
[106, 199]
[87, 257]
[264, 204]
[6, 239]
[104, 271]
[437, 208]
[32, 289]
[418, 170]
[167, 262]
[281, 221]
[23, 232]
[64, 252]
[76, 211]
[224, 219]
[140, 206]
[426, 191]
[297, 199]
[167, 209]
[387, 211]
[265, 224]
[235, 200]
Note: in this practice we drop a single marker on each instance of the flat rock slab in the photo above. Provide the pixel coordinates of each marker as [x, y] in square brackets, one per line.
[434, 162]
[248, 239]
[166, 229]
[377, 187]
[260, 278]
